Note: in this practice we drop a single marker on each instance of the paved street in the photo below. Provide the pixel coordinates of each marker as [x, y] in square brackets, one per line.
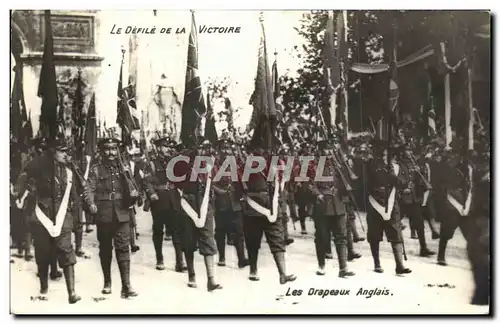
[430, 289]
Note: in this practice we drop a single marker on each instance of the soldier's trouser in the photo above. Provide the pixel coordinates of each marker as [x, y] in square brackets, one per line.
[449, 224]
[254, 227]
[293, 208]
[324, 225]
[191, 236]
[16, 227]
[429, 214]
[162, 221]
[229, 223]
[46, 247]
[478, 248]
[303, 213]
[414, 212]
[377, 226]
[114, 234]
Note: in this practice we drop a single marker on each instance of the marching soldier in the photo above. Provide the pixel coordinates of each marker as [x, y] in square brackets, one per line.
[165, 204]
[478, 244]
[428, 199]
[196, 219]
[458, 188]
[329, 212]
[260, 218]
[136, 166]
[302, 194]
[228, 213]
[57, 203]
[109, 198]
[285, 193]
[383, 212]
[413, 189]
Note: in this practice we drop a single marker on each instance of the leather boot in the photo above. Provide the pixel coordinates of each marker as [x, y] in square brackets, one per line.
[78, 244]
[127, 291]
[279, 258]
[240, 252]
[351, 254]
[69, 275]
[54, 272]
[133, 236]
[375, 249]
[397, 249]
[442, 252]
[252, 259]
[342, 256]
[209, 265]
[179, 262]
[106, 272]
[320, 255]
[190, 268]
[221, 248]
[43, 275]
[424, 250]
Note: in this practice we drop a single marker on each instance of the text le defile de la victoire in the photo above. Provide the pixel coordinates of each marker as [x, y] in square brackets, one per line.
[203, 29]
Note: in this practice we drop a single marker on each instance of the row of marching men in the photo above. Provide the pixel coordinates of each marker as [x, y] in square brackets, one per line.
[245, 211]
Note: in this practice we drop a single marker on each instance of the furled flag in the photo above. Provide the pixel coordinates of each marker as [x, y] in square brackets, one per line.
[47, 87]
[15, 105]
[126, 102]
[193, 106]
[91, 130]
[264, 109]
[210, 130]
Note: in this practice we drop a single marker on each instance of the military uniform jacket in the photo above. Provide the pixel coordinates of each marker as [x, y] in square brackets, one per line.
[107, 191]
[410, 188]
[228, 194]
[259, 190]
[333, 192]
[482, 189]
[47, 191]
[457, 182]
[156, 181]
[380, 182]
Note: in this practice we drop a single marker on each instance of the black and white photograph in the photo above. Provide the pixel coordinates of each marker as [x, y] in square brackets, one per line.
[250, 162]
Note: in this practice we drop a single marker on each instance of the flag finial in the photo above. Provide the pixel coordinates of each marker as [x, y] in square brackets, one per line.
[261, 16]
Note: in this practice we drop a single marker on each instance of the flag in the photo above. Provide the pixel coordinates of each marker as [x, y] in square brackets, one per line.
[131, 89]
[275, 78]
[230, 117]
[124, 118]
[264, 109]
[16, 117]
[210, 131]
[91, 130]
[193, 106]
[47, 87]
[77, 115]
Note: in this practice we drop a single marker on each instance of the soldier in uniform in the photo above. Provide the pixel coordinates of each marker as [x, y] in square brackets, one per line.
[195, 205]
[285, 193]
[478, 244]
[136, 166]
[228, 212]
[302, 197]
[110, 200]
[165, 204]
[413, 188]
[57, 203]
[428, 200]
[259, 198]
[383, 210]
[329, 212]
[459, 196]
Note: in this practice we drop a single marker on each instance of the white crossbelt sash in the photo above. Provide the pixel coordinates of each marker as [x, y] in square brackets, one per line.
[465, 209]
[55, 230]
[199, 220]
[392, 197]
[427, 192]
[271, 215]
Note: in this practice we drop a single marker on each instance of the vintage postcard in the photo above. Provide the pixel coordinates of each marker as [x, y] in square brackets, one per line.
[250, 162]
